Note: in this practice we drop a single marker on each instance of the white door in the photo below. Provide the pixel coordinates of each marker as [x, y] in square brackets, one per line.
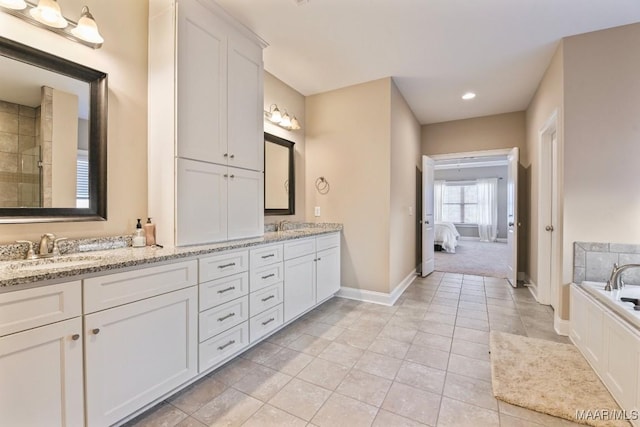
[41, 376]
[245, 203]
[327, 274]
[428, 226]
[512, 215]
[299, 285]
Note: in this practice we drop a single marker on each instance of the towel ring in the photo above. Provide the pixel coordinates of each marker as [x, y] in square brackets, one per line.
[322, 185]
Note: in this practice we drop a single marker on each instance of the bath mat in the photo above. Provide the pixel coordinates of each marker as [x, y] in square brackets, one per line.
[551, 378]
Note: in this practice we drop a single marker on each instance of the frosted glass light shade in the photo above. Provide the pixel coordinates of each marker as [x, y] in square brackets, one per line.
[48, 13]
[286, 121]
[87, 28]
[13, 4]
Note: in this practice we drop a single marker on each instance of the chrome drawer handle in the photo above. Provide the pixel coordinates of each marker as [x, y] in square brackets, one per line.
[268, 321]
[220, 319]
[267, 298]
[231, 264]
[268, 256]
[222, 291]
[268, 275]
[222, 347]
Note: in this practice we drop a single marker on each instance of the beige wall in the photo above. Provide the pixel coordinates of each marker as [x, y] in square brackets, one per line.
[403, 216]
[347, 142]
[547, 100]
[124, 58]
[285, 97]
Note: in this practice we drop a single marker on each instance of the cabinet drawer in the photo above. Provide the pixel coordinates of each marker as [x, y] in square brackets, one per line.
[121, 288]
[266, 322]
[298, 248]
[223, 317]
[265, 255]
[265, 276]
[219, 291]
[216, 350]
[327, 241]
[265, 298]
[226, 264]
[30, 308]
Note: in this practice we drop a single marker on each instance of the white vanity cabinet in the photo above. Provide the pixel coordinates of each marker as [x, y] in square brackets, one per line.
[327, 266]
[267, 291]
[140, 350]
[41, 368]
[205, 106]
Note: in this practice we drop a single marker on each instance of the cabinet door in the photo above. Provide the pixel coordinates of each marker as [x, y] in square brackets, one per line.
[137, 352]
[202, 82]
[299, 286]
[41, 376]
[328, 273]
[245, 113]
[201, 208]
[245, 204]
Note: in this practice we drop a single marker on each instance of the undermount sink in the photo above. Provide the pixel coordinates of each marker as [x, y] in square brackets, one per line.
[64, 261]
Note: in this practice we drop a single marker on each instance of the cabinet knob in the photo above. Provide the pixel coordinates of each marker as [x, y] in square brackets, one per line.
[232, 176]
[95, 331]
[225, 155]
[232, 156]
[75, 337]
[226, 175]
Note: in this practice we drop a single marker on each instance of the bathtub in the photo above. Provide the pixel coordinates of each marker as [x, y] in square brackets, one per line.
[611, 299]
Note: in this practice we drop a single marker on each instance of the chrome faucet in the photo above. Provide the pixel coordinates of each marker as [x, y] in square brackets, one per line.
[44, 244]
[43, 247]
[614, 281]
[281, 224]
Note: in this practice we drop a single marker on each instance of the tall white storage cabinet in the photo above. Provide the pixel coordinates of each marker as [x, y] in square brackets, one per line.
[206, 145]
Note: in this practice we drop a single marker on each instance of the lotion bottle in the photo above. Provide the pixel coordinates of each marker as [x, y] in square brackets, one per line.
[138, 240]
[150, 232]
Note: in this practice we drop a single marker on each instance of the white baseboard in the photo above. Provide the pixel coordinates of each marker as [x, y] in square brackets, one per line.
[533, 288]
[377, 297]
[561, 326]
[502, 240]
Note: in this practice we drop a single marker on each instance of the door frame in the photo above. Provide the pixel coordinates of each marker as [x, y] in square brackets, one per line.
[549, 256]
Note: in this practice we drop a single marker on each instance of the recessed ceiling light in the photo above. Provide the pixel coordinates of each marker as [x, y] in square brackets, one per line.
[469, 95]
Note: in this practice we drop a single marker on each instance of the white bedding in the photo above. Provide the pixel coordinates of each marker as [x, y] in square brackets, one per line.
[447, 236]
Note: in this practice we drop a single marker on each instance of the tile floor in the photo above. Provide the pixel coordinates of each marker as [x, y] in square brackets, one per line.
[424, 361]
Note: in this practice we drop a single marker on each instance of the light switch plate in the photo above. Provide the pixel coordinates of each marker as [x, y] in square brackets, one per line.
[317, 211]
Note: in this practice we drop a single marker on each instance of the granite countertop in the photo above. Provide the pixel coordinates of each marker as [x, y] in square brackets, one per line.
[28, 272]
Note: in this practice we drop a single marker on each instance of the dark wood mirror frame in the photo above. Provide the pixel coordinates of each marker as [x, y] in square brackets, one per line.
[291, 210]
[97, 80]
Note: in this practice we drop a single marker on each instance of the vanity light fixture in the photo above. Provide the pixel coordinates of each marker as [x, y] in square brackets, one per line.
[47, 14]
[283, 120]
[469, 95]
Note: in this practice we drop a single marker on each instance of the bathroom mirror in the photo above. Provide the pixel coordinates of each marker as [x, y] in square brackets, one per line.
[53, 138]
[279, 177]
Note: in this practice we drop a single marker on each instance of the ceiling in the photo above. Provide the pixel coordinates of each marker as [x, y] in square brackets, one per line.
[434, 49]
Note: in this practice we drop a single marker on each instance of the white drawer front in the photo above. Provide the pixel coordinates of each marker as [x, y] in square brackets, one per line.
[226, 264]
[214, 351]
[327, 241]
[219, 291]
[298, 248]
[223, 317]
[266, 255]
[121, 288]
[266, 322]
[265, 298]
[265, 276]
[30, 308]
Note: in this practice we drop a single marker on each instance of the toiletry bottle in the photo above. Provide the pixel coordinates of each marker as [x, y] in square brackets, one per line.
[138, 240]
[150, 232]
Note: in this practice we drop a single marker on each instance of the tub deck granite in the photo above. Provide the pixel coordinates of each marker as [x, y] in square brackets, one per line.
[105, 261]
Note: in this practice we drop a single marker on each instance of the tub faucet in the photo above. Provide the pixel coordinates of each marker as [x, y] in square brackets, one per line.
[614, 281]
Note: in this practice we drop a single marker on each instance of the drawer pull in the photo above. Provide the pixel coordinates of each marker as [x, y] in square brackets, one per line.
[75, 337]
[268, 298]
[220, 319]
[222, 347]
[268, 256]
[230, 288]
[231, 264]
[268, 321]
[319, 259]
[95, 331]
[268, 275]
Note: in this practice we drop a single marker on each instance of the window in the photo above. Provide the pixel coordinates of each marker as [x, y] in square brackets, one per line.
[460, 202]
[82, 179]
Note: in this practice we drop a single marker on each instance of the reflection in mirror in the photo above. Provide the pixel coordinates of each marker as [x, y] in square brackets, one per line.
[279, 177]
[52, 137]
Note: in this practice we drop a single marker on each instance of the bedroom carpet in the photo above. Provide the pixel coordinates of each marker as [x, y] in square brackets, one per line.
[475, 257]
[547, 377]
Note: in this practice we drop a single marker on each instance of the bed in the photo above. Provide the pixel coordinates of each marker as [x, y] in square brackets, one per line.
[446, 236]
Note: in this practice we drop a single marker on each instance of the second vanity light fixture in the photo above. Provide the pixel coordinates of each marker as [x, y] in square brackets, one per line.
[281, 119]
[47, 14]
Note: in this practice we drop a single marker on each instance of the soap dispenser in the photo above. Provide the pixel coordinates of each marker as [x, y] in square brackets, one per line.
[150, 232]
[138, 240]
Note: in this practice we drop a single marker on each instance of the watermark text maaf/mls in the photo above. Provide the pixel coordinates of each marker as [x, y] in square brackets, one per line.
[607, 414]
